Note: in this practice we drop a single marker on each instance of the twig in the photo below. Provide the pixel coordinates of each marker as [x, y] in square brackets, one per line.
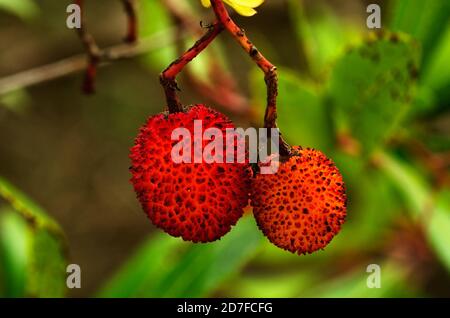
[221, 88]
[78, 62]
[168, 76]
[270, 71]
[130, 9]
[94, 53]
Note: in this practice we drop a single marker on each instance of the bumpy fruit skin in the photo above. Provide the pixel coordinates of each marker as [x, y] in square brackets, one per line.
[199, 202]
[302, 206]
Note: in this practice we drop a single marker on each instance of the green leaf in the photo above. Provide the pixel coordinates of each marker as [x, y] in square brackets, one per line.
[426, 21]
[371, 87]
[320, 33]
[154, 18]
[394, 283]
[437, 75]
[152, 260]
[15, 241]
[282, 284]
[25, 9]
[48, 266]
[47, 245]
[414, 190]
[302, 117]
[432, 210]
[167, 267]
[205, 267]
[438, 229]
[27, 208]
[370, 212]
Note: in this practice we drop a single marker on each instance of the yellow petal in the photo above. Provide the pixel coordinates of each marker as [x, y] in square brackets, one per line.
[242, 10]
[248, 3]
[243, 7]
[206, 3]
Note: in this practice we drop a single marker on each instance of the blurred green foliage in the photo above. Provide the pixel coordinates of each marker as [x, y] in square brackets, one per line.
[370, 88]
[25, 9]
[15, 237]
[365, 99]
[166, 267]
[32, 248]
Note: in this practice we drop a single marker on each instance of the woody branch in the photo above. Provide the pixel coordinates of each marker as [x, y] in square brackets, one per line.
[270, 70]
[95, 55]
[168, 76]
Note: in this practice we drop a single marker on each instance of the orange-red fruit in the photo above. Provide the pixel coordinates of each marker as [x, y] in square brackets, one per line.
[199, 202]
[302, 206]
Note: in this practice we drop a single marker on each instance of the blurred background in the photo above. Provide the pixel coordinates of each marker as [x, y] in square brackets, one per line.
[377, 103]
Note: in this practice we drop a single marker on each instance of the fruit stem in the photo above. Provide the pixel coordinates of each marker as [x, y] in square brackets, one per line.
[270, 70]
[168, 76]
